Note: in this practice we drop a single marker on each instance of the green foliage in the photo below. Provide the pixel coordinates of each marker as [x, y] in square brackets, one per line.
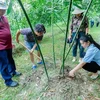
[40, 11]
[9, 8]
[33, 84]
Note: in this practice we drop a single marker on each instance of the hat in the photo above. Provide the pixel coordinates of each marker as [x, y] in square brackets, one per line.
[3, 5]
[77, 11]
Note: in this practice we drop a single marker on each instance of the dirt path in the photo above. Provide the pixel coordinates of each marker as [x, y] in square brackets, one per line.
[58, 88]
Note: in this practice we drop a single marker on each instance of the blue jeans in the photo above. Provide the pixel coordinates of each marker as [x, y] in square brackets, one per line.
[30, 45]
[7, 65]
[76, 44]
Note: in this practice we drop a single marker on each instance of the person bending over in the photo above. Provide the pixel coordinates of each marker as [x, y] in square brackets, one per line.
[29, 39]
[91, 60]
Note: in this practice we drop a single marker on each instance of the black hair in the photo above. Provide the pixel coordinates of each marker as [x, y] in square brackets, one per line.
[89, 38]
[81, 15]
[40, 28]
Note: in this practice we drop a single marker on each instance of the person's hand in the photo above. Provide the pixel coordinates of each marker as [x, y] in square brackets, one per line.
[71, 73]
[87, 33]
[31, 51]
[69, 37]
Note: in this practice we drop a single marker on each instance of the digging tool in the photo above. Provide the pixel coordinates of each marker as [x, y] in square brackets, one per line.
[29, 50]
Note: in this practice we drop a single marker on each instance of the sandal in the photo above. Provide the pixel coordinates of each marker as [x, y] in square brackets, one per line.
[93, 77]
[41, 63]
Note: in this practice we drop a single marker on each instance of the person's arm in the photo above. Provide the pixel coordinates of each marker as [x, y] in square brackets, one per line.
[70, 33]
[71, 28]
[79, 66]
[87, 31]
[17, 36]
[34, 47]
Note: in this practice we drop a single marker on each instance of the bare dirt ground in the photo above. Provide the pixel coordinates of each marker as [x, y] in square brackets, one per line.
[58, 87]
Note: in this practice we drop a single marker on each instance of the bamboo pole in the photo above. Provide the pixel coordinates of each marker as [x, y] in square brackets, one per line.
[75, 36]
[53, 42]
[70, 5]
[28, 20]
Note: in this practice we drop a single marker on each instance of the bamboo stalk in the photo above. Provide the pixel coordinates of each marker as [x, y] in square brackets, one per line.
[70, 5]
[28, 20]
[62, 66]
[53, 42]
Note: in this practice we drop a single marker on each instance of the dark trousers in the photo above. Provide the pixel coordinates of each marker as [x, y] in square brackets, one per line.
[91, 67]
[97, 24]
[76, 44]
[7, 65]
[92, 24]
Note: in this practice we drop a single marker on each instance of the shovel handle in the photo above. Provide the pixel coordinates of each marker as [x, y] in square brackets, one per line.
[29, 50]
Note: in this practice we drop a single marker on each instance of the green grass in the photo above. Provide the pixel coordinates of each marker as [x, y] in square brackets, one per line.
[34, 84]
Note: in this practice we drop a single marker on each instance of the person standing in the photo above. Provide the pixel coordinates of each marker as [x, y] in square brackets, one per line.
[92, 23]
[7, 64]
[97, 21]
[76, 20]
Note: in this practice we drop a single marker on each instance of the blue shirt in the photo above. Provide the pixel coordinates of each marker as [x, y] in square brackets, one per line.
[92, 54]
